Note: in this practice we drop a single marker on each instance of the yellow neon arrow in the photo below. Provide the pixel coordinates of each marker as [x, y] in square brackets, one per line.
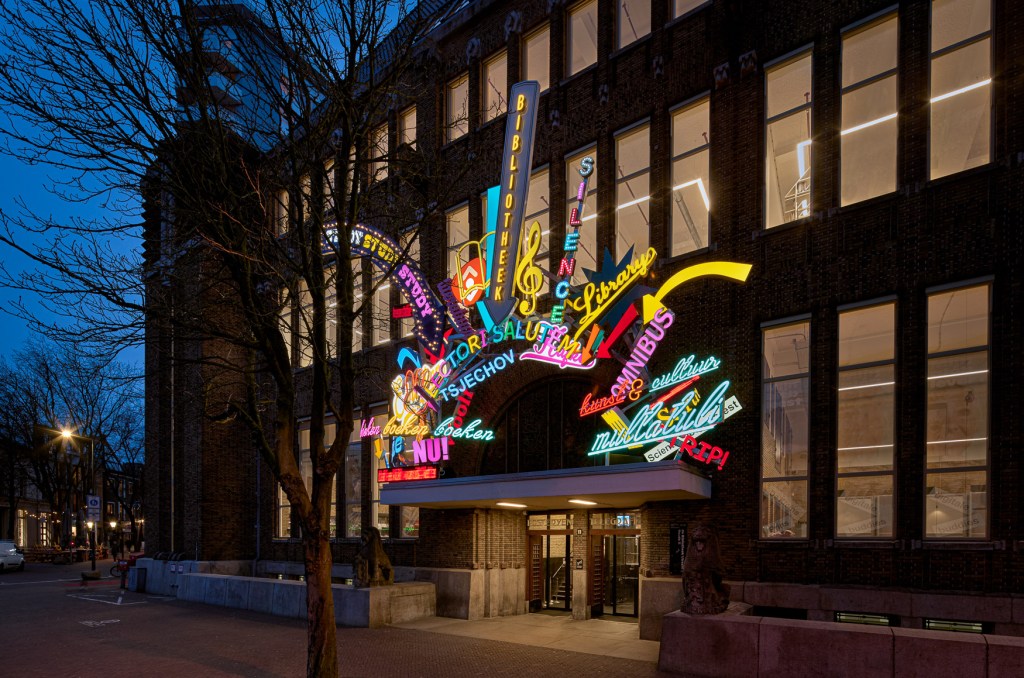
[724, 269]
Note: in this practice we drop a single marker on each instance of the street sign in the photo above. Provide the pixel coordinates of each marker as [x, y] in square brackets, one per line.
[92, 508]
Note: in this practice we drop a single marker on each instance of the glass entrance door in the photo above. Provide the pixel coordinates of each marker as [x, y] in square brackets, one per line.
[621, 574]
[549, 585]
[557, 581]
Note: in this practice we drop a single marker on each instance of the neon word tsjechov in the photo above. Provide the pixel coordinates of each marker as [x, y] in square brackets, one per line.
[652, 425]
[478, 376]
[447, 429]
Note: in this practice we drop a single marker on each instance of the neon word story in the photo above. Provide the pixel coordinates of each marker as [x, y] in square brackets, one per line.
[597, 298]
[518, 156]
[645, 346]
[455, 310]
[479, 375]
[402, 474]
[419, 296]
[367, 428]
[684, 369]
[652, 425]
[471, 432]
[430, 450]
[708, 453]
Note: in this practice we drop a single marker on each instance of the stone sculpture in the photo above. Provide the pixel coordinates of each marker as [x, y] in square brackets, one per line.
[372, 567]
[703, 589]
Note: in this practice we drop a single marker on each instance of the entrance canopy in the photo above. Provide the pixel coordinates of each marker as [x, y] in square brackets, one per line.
[617, 486]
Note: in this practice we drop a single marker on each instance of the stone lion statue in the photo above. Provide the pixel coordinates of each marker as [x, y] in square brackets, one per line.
[703, 589]
[372, 567]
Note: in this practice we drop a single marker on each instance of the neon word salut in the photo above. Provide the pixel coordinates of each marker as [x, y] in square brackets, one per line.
[684, 369]
[447, 429]
[644, 348]
[479, 375]
[652, 424]
[430, 450]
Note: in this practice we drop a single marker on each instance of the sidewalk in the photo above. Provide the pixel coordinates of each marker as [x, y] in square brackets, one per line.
[592, 636]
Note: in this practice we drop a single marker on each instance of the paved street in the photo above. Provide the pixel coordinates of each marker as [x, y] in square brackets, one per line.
[53, 626]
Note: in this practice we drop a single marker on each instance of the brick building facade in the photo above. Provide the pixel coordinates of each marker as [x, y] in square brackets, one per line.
[867, 258]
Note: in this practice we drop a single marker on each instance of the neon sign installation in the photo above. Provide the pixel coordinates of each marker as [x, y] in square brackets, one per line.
[478, 376]
[708, 453]
[556, 349]
[367, 428]
[430, 450]
[684, 369]
[448, 429]
[403, 474]
[568, 263]
[455, 310]
[643, 349]
[598, 298]
[518, 156]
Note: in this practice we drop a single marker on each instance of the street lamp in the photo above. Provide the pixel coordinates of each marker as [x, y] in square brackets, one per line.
[67, 435]
[113, 531]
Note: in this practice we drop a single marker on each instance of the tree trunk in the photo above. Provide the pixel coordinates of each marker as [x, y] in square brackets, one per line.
[321, 631]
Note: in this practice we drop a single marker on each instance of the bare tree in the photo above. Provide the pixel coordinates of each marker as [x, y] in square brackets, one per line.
[239, 167]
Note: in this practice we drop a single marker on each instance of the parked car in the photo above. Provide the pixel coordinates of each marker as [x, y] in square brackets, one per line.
[11, 557]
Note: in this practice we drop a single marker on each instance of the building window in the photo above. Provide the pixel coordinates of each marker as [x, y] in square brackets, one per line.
[495, 94]
[537, 56]
[283, 529]
[329, 186]
[379, 153]
[331, 303]
[586, 247]
[681, 7]
[281, 212]
[407, 127]
[538, 204]
[457, 230]
[961, 89]
[957, 444]
[784, 430]
[869, 127]
[381, 311]
[632, 191]
[866, 421]
[411, 240]
[285, 322]
[788, 142]
[457, 108]
[306, 468]
[690, 184]
[305, 325]
[634, 21]
[582, 38]
[357, 304]
[354, 483]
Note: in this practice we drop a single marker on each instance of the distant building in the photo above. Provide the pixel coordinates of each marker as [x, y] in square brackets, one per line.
[864, 158]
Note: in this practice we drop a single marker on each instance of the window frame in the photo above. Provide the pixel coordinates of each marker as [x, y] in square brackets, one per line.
[569, 11]
[620, 46]
[485, 82]
[632, 128]
[693, 102]
[404, 115]
[544, 27]
[780, 62]
[450, 127]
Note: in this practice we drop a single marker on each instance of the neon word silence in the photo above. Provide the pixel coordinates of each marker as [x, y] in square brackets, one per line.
[401, 474]
[568, 264]
[448, 429]
[652, 424]
[478, 376]
[644, 348]
[684, 369]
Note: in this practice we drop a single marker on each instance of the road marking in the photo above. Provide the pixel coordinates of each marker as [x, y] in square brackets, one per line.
[95, 624]
[94, 599]
[28, 583]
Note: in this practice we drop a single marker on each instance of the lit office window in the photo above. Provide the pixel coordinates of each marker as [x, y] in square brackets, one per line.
[406, 324]
[495, 86]
[457, 230]
[788, 142]
[379, 153]
[870, 126]
[306, 468]
[582, 39]
[407, 127]
[956, 494]
[329, 186]
[586, 249]
[537, 57]
[357, 304]
[281, 212]
[283, 529]
[961, 91]
[632, 191]
[538, 204]
[354, 483]
[785, 430]
[866, 421]
[305, 325]
[381, 312]
[331, 303]
[690, 183]
[285, 315]
[681, 7]
[457, 108]
[633, 21]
